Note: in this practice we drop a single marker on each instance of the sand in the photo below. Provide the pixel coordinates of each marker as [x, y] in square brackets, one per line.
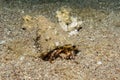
[20, 46]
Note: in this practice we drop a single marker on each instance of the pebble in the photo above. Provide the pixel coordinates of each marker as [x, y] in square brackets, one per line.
[57, 43]
[73, 33]
[2, 41]
[99, 62]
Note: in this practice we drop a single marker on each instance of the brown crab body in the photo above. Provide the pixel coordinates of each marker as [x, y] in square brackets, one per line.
[67, 52]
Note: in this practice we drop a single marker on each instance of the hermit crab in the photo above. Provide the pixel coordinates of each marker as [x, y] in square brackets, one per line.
[67, 52]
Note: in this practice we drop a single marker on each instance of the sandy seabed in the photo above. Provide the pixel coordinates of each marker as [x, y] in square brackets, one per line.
[98, 41]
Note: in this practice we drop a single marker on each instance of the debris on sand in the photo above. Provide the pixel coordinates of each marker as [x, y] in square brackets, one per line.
[66, 20]
[28, 21]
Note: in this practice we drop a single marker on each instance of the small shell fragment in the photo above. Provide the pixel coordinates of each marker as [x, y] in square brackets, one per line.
[99, 62]
[73, 33]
